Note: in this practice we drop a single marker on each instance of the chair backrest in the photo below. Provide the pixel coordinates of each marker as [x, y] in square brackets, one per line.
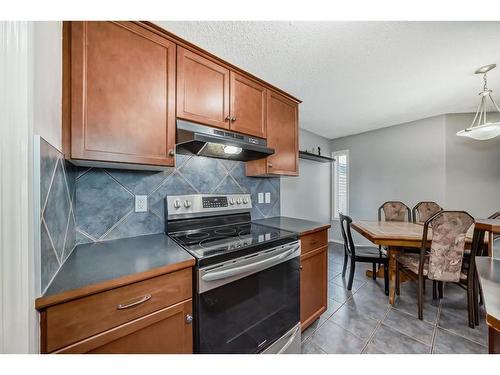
[449, 229]
[424, 210]
[496, 215]
[394, 211]
[345, 229]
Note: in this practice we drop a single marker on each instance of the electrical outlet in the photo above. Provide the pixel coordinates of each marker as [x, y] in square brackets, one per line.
[268, 197]
[261, 197]
[141, 203]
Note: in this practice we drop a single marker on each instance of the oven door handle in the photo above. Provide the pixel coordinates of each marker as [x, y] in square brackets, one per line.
[217, 275]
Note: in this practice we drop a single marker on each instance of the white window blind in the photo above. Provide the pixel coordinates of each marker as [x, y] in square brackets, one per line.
[341, 183]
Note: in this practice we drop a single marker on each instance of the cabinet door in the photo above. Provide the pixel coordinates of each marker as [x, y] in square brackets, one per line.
[313, 285]
[282, 134]
[122, 94]
[202, 90]
[248, 106]
[167, 331]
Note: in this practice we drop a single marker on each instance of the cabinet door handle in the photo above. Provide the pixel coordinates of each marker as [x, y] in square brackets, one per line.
[228, 118]
[301, 267]
[171, 153]
[145, 298]
[270, 165]
[233, 119]
[189, 319]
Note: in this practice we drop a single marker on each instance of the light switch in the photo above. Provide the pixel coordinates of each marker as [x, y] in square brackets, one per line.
[268, 197]
[261, 197]
[141, 203]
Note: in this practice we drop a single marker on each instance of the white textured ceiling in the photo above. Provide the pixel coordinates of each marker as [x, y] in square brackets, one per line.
[358, 76]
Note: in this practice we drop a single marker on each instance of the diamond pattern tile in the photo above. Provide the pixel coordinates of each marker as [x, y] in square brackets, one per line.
[57, 210]
[100, 202]
[139, 182]
[192, 175]
[48, 158]
[205, 174]
[57, 194]
[174, 185]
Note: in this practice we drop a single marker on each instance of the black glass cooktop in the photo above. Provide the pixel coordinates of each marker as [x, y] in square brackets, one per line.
[225, 239]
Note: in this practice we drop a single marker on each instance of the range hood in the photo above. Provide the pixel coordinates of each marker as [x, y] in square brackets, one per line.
[217, 143]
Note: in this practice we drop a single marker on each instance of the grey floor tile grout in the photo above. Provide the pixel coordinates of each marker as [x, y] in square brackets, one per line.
[434, 333]
[403, 333]
[375, 330]
[432, 326]
[462, 337]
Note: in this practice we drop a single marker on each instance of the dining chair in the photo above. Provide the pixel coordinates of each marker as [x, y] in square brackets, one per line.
[394, 211]
[441, 261]
[424, 210]
[364, 254]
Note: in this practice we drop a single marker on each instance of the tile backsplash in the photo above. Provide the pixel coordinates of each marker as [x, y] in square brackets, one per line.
[104, 203]
[57, 219]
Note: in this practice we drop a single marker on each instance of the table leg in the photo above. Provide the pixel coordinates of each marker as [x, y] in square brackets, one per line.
[392, 252]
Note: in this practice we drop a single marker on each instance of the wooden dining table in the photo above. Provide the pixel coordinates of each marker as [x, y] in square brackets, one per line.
[396, 236]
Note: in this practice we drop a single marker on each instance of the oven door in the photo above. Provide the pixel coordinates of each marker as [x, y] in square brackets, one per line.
[246, 314]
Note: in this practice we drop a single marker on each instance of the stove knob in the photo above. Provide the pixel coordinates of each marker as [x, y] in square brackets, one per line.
[238, 200]
[177, 203]
[231, 201]
[245, 200]
[187, 203]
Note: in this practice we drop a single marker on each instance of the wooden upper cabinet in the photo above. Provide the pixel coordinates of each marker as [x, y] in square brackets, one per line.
[282, 135]
[122, 87]
[202, 90]
[248, 106]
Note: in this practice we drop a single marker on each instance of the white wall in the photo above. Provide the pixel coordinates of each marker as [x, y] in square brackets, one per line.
[48, 81]
[30, 103]
[308, 195]
[421, 160]
[472, 170]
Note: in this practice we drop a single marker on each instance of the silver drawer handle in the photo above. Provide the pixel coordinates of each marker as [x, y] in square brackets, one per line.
[121, 306]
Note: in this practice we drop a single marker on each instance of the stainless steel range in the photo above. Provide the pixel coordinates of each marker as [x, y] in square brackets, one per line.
[247, 277]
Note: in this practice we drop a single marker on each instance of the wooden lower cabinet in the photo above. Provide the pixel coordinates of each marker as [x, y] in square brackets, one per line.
[150, 316]
[164, 331]
[313, 284]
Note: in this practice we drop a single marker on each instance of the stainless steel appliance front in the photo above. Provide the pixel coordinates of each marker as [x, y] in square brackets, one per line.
[219, 274]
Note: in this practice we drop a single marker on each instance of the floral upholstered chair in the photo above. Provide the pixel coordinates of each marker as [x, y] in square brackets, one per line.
[441, 260]
[424, 210]
[394, 211]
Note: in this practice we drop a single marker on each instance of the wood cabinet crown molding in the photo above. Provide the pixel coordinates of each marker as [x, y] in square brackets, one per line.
[194, 48]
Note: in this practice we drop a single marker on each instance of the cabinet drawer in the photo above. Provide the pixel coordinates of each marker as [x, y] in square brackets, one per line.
[75, 320]
[166, 331]
[313, 241]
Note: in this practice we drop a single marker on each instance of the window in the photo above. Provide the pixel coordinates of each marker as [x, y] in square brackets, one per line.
[340, 183]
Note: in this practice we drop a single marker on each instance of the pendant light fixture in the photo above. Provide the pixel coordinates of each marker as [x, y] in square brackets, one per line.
[480, 128]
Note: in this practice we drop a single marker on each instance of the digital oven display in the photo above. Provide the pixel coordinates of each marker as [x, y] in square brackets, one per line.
[214, 202]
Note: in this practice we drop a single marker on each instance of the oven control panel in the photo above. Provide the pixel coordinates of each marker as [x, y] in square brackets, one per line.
[199, 205]
[214, 202]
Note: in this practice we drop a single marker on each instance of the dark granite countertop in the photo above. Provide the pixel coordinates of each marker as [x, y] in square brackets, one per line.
[100, 266]
[292, 224]
[489, 277]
